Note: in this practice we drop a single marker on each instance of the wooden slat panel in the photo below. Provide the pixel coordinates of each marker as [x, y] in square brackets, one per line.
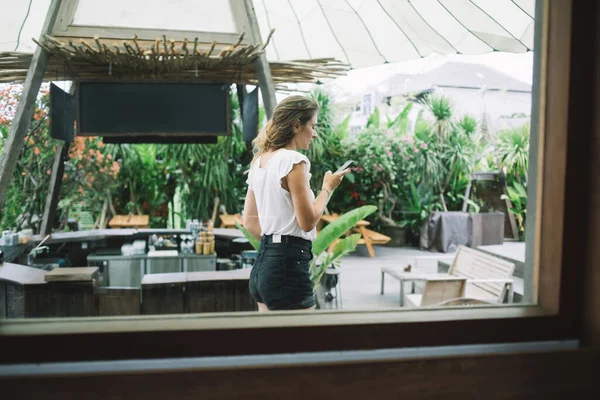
[438, 291]
[117, 301]
[163, 293]
[218, 295]
[66, 299]
[474, 264]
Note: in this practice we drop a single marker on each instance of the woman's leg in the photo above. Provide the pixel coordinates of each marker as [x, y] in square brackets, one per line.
[262, 307]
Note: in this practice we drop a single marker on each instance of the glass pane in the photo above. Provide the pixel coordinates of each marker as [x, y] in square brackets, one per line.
[441, 145]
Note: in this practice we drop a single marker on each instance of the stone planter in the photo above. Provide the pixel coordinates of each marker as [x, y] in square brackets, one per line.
[397, 233]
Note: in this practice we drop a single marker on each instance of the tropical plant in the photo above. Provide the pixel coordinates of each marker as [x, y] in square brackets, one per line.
[517, 194]
[373, 150]
[328, 235]
[419, 203]
[512, 152]
[374, 119]
[441, 109]
[327, 152]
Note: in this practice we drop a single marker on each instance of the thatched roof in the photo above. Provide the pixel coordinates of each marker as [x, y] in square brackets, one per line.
[161, 60]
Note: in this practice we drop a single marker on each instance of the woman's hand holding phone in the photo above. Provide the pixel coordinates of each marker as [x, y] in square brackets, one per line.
[333, 180]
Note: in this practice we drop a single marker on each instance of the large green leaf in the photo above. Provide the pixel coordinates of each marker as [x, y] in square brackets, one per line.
[373, 121]
[253, 241]
[520, 189]
[401, 118]
[340, 226]
[343, 247]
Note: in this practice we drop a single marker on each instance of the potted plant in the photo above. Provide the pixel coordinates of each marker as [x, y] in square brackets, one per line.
[323, 258]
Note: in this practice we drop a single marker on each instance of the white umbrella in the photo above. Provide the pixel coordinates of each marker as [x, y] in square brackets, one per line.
[359, 32]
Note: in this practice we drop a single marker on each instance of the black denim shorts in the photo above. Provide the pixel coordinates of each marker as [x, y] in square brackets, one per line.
[280, 277]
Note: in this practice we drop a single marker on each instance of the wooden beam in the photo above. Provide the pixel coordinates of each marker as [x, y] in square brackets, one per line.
[263, 70]
[20, 124]
[65, 15]
[58, 169]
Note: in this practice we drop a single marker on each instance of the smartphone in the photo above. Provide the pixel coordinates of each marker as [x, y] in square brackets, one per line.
[343, 167]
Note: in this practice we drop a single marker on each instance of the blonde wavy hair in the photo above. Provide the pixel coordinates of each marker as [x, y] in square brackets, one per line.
[279, 132]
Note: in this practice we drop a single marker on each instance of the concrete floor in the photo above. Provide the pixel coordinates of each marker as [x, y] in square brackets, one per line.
[360, 277]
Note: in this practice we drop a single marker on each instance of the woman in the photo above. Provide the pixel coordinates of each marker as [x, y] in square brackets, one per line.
[281, 207]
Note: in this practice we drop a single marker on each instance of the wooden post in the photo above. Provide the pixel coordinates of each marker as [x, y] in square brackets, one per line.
[58, 169]
[263, 70]
[20, 124]
[465, 205]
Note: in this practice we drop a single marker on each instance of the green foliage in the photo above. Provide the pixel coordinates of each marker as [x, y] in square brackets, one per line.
[517, 194]
[467, 124]
[418, 205]
[338, 227]
[329, 235]
[87, 181]
[254, 242]
[512, 151]
[327, 152]
[374, 118]
[343, 247]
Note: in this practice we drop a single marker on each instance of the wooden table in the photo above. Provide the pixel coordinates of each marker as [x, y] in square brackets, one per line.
[129, 221]
[361, 228]
[228, 220]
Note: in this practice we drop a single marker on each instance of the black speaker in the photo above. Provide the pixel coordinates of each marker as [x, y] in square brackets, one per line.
[250, 115]
[62, 114]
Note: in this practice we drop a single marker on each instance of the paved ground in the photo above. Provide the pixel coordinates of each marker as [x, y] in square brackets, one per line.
[360, 277]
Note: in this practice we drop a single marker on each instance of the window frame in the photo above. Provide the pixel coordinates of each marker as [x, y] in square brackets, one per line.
[556, 276]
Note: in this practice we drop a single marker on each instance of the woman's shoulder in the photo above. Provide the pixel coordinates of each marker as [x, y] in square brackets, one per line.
[294, 156]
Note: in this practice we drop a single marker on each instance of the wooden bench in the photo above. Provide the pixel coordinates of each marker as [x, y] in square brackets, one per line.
[488, 278]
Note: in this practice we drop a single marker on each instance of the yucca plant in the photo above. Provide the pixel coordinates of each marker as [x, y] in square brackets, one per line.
[328, 235]
[512, 151]
[441, 109]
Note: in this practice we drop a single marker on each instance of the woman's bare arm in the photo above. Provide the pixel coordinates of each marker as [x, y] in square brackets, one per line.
[250, 220]
[308, 213]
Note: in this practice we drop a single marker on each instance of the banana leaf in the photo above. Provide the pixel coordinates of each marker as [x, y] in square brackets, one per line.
[253, 241]
[343, 247]
[340, 226]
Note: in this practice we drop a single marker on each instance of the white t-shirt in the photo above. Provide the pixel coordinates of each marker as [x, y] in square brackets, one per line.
[275, 209]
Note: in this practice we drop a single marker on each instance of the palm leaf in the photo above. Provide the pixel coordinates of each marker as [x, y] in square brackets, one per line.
[340, 226]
